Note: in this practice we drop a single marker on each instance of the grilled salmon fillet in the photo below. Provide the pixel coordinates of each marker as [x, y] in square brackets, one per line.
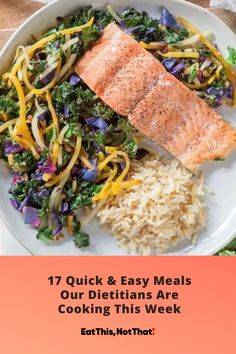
[135, 84]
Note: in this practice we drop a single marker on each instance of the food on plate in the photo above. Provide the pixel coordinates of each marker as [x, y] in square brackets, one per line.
[166, 208]
[70, 154]
[135, 84]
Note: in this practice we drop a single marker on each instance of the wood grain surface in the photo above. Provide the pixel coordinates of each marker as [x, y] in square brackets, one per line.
[14, 12]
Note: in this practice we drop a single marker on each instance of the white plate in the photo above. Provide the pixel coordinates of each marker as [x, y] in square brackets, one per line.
[220, 177]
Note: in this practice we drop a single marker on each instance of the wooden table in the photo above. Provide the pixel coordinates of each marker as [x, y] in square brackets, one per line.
[14, 12]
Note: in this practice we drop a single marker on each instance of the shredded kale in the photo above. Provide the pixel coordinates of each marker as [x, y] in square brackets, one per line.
[131, 147]
[81, 17]
[79, 100]
[192, 75]
[21, 189]
[84, 198]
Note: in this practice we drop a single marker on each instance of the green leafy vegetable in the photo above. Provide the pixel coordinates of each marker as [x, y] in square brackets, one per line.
[192, 74]
[45, 234]
[9, 106]
[24, 159]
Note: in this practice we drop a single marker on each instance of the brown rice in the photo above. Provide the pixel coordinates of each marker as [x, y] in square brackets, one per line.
[164, 209]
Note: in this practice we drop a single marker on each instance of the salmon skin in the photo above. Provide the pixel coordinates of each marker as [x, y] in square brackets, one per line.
[135, 84]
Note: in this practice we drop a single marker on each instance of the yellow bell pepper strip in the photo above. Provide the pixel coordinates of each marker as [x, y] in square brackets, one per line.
[26, 144]
[21, 126]
[70, 224]
[107, 160]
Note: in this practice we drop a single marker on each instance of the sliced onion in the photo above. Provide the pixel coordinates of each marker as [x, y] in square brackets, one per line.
[36, 134]
[205, 64]
[67, 66]
[69, 43]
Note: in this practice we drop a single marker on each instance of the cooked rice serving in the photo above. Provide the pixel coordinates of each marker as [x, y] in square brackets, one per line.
[166, 208]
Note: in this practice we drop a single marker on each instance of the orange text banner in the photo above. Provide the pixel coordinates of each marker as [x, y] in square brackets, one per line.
[101, 305]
